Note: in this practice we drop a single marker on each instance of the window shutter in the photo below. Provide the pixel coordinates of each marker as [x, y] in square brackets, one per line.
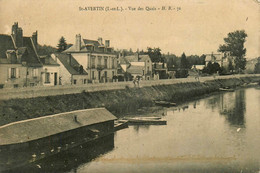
[17, 73]
[9, 73]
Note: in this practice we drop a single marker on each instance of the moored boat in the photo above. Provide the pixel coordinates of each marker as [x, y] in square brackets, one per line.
[164, 103]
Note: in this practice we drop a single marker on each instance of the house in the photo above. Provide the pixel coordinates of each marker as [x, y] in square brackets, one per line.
[223, 59]
[20, 65]
[97, 59]
[50, 73]
[160, 70]
[214, 58]
[70, 71]
[137, 65]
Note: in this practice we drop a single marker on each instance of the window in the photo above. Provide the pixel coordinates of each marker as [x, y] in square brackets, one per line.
[47, 77]
[113, 63]
[13, 72]
[35, 72]
[105, 63]
[93, 62]
[15, 85]
[93, 75]
[105, 73]
[113, 73]
[1, 86]
[143, 72]
[75, 81]
[85, 81]
[99, 60]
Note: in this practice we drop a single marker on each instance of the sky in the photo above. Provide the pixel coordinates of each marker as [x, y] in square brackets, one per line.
[197, 28]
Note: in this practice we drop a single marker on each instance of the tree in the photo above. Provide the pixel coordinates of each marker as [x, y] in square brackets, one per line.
[234, 43]
[182, 72]
[184, 61]
[230, 66]
[62, 44]
[257, 66]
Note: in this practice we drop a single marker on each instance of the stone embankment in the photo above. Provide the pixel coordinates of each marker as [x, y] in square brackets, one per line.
[119, 98]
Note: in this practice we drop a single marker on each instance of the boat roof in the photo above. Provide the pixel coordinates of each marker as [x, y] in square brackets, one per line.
[32, 129]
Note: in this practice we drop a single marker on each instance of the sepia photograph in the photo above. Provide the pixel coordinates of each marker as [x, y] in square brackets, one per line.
[129, 86]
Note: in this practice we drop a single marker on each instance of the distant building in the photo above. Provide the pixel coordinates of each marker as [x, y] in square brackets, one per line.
[160, 70]
[20, 64]
[96, 58]
[137, 65]
[214, 58]
[70, 71]
[223, 59]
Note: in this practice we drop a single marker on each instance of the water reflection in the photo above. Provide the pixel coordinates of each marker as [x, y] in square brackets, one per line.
[231, 105]
[233, 108]
[70, 160]
[141, 127]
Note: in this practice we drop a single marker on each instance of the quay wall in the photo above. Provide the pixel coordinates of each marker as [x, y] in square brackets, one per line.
[119, 98]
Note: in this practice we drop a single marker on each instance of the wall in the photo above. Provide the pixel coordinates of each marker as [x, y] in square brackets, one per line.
[21, 77]
[52, 70]
[65, 76]
[82, 59]
[119, 98]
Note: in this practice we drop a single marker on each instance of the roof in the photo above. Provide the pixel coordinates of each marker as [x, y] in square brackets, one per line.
[47, 60]
[26, 52]
[123, 60]
[6, 43]
[198, 67]
[73, 66]
[135, 70]
[98, 48]
[134, 58]
[32, 129]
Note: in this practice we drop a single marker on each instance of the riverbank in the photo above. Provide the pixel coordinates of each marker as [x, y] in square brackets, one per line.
[118, 101]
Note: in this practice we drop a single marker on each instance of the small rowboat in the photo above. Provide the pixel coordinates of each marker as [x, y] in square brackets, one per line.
[164, 103]
[120, 125]
[144, 121]
[226, 89]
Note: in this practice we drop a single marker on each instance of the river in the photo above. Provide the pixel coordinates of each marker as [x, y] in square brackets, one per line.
[214, 134]
[219, 133]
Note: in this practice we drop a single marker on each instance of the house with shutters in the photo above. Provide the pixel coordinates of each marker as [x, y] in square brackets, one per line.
[20, 65]
[98, 59]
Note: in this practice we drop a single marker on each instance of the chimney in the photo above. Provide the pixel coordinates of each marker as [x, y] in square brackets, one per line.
[78, 42]
[107, 43]
[35, 39]
[138, 56]
[100, 40]
[17, 34]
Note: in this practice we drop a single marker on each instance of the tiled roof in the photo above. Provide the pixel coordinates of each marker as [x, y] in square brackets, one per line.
[73, 66]
[135, 70]
[47, 60]
[37, 128]
[123, 60]
[27, 52]
[6, 43]
[134, 58]
[98, 48]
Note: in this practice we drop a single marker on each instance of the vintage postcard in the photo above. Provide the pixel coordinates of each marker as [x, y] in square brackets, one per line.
[129, 86]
